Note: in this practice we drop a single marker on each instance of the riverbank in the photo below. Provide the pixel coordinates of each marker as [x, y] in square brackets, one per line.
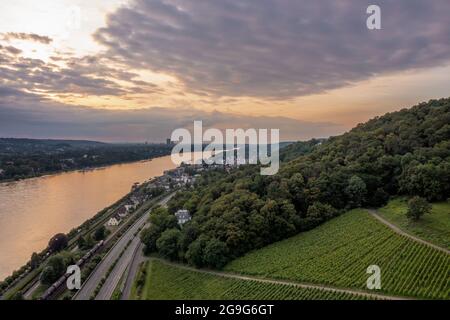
[84, 169]
[33, 210]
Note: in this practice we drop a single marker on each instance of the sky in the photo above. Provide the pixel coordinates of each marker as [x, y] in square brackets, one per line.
[135, 70]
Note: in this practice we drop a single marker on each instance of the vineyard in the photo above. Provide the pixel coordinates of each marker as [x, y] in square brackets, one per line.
[339, 252]
[167, 282]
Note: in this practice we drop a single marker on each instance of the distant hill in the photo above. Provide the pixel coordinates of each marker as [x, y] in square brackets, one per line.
[11, 145]
[26, 158]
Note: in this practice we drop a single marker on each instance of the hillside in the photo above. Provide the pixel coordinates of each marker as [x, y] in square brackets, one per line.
[167, 282]
[434, 227]
[339, 252]
[401, 153]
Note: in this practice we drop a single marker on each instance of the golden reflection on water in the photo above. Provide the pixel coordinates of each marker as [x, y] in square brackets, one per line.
[33, 210]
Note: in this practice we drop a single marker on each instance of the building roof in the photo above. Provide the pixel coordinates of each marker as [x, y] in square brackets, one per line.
[183, 214]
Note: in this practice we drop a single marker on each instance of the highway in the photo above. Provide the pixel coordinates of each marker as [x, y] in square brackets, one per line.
[89, 286]
[133, 270]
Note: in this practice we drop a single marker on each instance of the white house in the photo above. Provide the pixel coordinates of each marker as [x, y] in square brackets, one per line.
[183, 216]
[130, 208]
[113, 222]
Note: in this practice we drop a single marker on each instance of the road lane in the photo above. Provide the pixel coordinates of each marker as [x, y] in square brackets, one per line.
[88, 288]
[126, 260]
[133, 270]
[114, 277]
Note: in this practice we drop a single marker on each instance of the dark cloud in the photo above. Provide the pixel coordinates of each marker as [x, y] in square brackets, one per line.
[10, 49]
[90, 75]
[27, 36]
[276, 48]
[26, 115]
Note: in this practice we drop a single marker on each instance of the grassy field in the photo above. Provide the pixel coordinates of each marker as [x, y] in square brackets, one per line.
[167, 282]
[339, 252]
[433, 227]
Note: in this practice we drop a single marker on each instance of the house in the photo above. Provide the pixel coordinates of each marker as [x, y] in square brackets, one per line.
[183, 216]
[136, 201]
[135, 186]
[114, 222]
[122, 212]
[129, 208]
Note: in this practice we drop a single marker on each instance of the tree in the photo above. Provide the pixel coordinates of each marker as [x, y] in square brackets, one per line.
[379, 198]
[318, 213]
[281, 219]
[428, 180]
[100, 233]
[167, 244]
[81, 243]
[149, 236]
[35, 260]
[188, 235]
[48, 276]
[417, 207]
[215, 254]
[296, 188]
[194, 254]
[161, 219]
[54, 268]
[58, 242]
[356, 191]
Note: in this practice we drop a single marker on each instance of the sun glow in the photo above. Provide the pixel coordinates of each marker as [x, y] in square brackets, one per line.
[70, 23]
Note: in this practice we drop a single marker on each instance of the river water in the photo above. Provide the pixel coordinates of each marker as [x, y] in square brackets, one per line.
[33, 210]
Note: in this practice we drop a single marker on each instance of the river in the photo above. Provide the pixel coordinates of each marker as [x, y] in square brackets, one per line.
[33, 210]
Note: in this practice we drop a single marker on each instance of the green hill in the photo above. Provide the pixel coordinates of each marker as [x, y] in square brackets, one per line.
[339, 252]
[400, 153]
[433, 227]
[167, 282]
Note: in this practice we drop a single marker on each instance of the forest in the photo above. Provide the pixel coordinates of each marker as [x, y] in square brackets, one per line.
[401, 153]
[27, 158]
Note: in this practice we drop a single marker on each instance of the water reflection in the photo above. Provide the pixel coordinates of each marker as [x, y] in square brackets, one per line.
[33, 210]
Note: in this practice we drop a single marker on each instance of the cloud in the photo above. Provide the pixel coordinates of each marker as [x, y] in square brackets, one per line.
[89, 75]
[10, 49]
[27, 115]
[276, 48]
[27, 36]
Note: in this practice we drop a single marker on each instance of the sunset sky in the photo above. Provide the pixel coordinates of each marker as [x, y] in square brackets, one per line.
[134, 70]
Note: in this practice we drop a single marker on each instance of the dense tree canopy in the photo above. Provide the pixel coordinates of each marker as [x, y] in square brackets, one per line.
[56, 266]
[405, 152]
